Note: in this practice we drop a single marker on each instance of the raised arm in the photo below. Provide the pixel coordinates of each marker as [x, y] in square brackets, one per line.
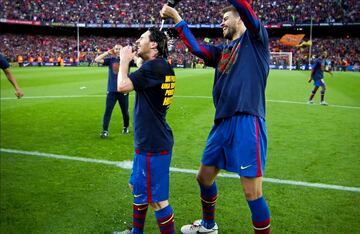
[247, 15]
[124, 84]
[208, 53]
[113, 51]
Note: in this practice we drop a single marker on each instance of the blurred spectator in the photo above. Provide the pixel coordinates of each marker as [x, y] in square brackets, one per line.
[342, 51]
[50, 47]
[5, 66]
[196, 12]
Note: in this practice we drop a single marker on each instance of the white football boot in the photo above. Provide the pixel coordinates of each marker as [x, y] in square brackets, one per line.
[323, 103]
[196, 227]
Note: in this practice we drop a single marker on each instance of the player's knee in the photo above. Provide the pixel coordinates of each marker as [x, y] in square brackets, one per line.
[315, 90]
[159, 205]
[204, 180]
[200, 178]
[252, 190]
[252, 194]
[207, 175]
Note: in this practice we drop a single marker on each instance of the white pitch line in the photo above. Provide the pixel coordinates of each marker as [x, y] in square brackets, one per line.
[55, 97]
[305, 103]
[128, 165]
[176, 96]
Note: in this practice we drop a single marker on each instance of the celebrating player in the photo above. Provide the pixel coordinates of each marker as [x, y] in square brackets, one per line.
[238, 139]
[317, 75]
[154, 83]
[112, 95]
[5, 66]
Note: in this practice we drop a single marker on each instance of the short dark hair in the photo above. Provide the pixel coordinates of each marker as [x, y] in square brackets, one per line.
[228, 8]
[161, 39]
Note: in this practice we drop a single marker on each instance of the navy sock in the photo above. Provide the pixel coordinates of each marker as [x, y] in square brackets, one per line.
[165, 220]
[208, 202]
[139, 215]
[260, 215]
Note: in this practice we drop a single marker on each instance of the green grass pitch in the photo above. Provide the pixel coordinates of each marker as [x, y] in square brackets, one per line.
[61, 114]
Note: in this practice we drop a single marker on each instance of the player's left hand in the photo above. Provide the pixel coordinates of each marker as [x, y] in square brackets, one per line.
[126, 54]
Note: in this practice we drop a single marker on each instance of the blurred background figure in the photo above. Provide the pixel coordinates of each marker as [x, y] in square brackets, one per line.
[5, 66]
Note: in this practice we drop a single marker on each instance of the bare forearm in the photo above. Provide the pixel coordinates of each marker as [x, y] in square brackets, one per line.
[328, 71]
[11, 78]
[100, 58]
[124, 84]
[123, 71]
[18, 92]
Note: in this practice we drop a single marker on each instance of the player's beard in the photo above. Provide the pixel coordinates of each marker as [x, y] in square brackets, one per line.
[229, 33]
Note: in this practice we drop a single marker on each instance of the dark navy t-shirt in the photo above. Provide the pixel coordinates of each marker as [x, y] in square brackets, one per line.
[154, 83]
[317, 73]
[113, 64]
[242, 68]
[3, 63]
[241, 75]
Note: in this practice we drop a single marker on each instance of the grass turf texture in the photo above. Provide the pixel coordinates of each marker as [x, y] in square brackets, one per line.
[306, 143]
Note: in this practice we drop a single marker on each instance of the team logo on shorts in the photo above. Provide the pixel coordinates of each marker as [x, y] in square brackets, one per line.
[245, 167]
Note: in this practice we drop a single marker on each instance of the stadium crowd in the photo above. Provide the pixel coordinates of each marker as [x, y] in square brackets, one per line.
[342, 51]
[31, 48]
[124, 12]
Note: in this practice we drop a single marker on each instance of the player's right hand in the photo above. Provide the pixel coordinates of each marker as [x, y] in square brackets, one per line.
[170, 13]
[19, 93]
[126, 54]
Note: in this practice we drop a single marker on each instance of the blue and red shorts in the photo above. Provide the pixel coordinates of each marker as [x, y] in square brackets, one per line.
[150, 176]
[318, 83]
[238, 144]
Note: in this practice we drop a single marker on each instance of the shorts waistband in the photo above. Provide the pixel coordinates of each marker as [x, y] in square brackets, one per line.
[150, 153]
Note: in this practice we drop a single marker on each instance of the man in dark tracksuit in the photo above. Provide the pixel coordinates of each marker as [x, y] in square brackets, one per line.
[113, 95]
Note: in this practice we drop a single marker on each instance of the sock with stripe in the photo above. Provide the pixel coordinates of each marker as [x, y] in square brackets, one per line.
[139, 215]
[165, 220]
[260, 215]
[208, 197]
[322, 95]
[312, 94]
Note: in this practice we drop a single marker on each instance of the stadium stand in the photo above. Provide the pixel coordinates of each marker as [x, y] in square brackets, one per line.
[343, 48]
[50, 46]
[196, 12]
[342, 51]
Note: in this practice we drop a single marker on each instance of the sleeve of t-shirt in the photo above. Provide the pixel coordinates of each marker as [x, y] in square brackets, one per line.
[3, 63]
[209, 53]
[247, 14]
[150, 74]
[263, 35]
[107, 61]
[261, 39]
